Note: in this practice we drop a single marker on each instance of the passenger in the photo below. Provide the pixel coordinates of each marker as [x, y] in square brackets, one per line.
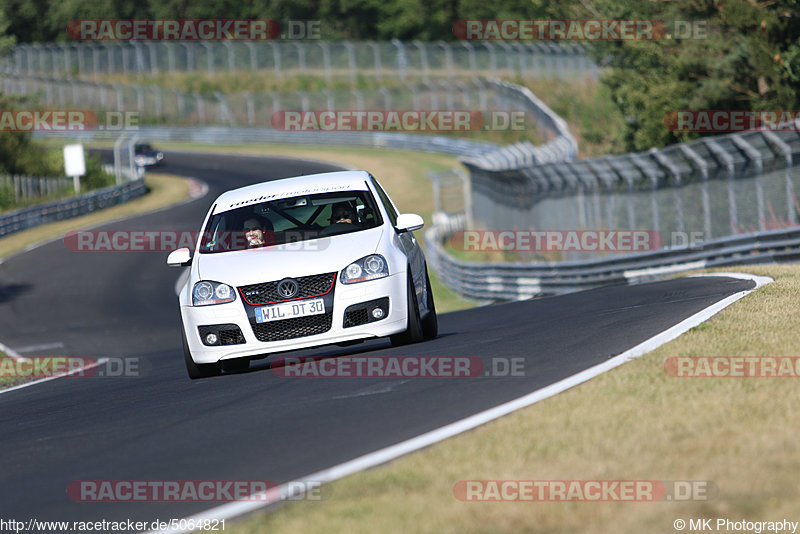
[342, 220]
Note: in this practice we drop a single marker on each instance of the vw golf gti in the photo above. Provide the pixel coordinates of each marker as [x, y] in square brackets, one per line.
[301, 262]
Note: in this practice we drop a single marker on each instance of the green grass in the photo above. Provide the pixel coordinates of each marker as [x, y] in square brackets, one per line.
[7, 381]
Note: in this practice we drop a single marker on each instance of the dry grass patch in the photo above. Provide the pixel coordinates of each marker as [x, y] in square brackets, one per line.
[633, 423]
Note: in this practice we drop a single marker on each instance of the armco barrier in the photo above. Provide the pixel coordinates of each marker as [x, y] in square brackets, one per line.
[737, 191]
[23, 219]
[516, 281]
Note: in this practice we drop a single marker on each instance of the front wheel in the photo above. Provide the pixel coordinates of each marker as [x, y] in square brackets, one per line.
[430, 324]
[198, 370]
[413, 333]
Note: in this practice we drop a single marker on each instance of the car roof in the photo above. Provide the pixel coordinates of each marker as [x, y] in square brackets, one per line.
[290, 187]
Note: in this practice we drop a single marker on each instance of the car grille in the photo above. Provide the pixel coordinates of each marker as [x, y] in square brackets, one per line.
[231, 337]
[308, 286]
[355, 317]
[293, 328]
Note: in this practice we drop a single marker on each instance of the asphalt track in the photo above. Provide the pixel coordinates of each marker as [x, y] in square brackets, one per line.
[255, 425]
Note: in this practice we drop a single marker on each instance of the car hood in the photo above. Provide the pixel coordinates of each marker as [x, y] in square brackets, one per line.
[324, 255]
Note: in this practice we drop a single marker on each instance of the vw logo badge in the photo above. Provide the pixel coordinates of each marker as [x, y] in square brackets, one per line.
[287, 288]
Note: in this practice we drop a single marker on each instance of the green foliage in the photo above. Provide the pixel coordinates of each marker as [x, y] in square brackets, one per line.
[748, 59]
[46, 20]
[6, 196]
[95, 176]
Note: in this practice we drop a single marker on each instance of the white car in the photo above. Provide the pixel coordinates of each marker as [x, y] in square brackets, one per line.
[301, 262]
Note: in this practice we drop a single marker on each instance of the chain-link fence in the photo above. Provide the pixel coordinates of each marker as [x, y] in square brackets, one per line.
[332, 59]
[710, 188]
[18, 189]
[154, 105]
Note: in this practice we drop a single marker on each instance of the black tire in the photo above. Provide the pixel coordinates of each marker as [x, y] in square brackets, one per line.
[238, 364]
[430, 324]
[198, 370]
[413, 333]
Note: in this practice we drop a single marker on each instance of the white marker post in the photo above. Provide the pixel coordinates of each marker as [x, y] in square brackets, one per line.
[74, 164]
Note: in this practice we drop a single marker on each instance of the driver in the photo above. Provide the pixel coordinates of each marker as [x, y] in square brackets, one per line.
[341, 214]
[257, 231]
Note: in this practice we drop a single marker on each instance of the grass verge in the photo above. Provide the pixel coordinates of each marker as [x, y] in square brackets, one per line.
[632, 423]
[8, 381]
[165, 190]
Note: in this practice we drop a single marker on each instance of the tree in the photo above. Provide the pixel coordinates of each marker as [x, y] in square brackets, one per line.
[749, 59]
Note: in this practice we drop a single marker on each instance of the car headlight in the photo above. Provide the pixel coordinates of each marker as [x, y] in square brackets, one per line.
[369, 267]
[207, 293]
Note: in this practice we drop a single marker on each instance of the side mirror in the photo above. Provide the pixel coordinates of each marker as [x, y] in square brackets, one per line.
[179, 258]
[408, 222]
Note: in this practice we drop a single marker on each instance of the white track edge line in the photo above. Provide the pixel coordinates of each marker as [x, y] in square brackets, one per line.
[99, 362]
[234, 509]
[11, 353]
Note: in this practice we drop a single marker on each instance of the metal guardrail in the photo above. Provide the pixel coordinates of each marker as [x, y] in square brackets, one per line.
[516, 281]
[737, 191]
[23, 219]
[226, 136]
[716, 185]
[334, 59]
[560, 145]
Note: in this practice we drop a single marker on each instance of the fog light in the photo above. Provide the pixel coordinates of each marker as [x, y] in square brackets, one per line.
[211, 339]
[377, 313]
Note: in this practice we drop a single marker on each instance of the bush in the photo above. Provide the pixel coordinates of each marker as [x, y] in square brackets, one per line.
[95, 176]
[6, 195]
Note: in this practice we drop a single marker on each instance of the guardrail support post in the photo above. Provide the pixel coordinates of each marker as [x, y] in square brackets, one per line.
[791, 199]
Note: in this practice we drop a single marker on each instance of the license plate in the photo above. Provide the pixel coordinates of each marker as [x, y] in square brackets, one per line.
[290, 310]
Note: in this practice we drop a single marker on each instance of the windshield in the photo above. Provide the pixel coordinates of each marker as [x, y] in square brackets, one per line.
[290, 220]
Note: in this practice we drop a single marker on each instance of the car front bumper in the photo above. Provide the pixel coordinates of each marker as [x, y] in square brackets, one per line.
[345, 295]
